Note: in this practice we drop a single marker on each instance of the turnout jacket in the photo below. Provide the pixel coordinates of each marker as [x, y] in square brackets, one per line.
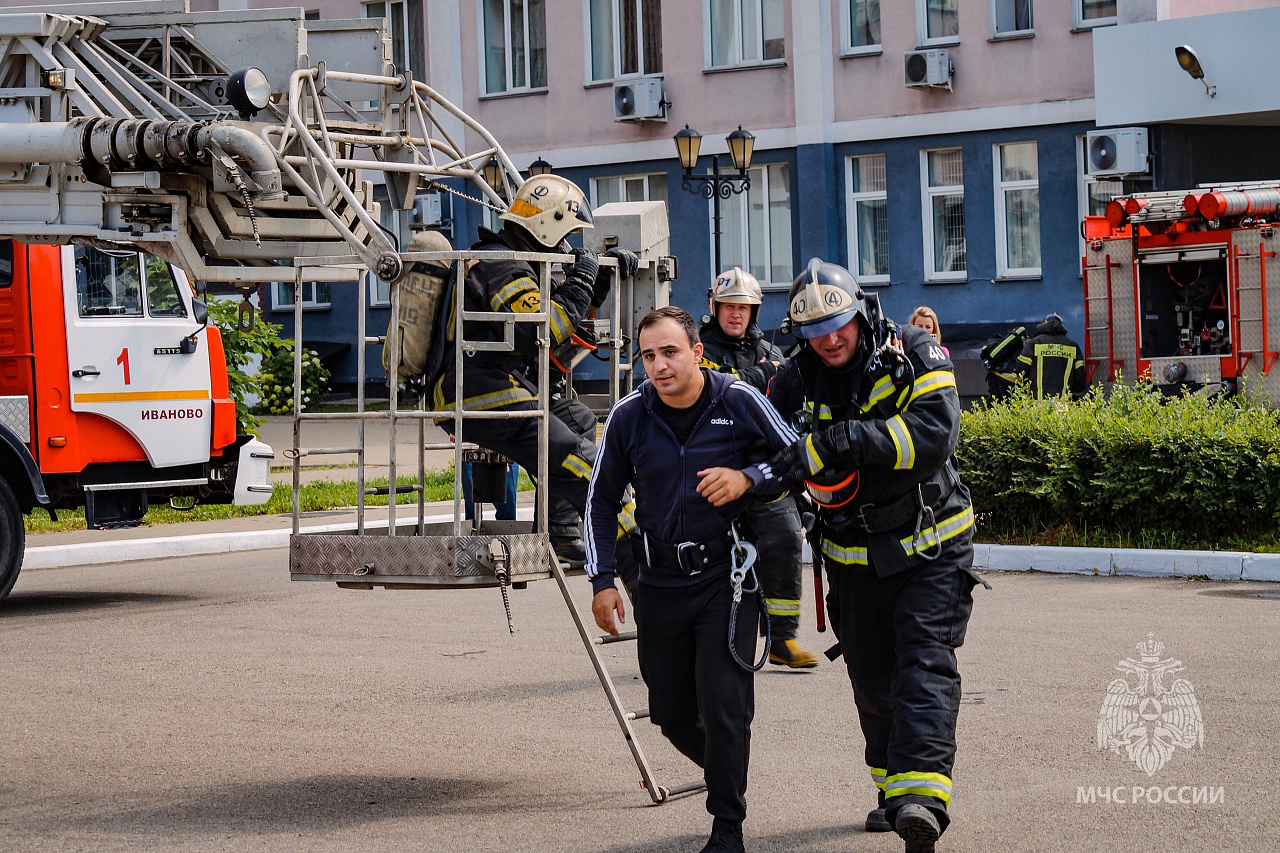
[738, 430]
[749, 358]
[907, 438]
[496, 380]
[1053, 363]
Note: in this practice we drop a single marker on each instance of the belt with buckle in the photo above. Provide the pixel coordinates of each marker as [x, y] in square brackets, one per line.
[690, 557]
[903, 511]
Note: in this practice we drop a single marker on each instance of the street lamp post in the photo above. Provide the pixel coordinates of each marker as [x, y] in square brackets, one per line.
[715, 186]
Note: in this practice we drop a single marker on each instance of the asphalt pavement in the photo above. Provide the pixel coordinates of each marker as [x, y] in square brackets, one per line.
[208, 703]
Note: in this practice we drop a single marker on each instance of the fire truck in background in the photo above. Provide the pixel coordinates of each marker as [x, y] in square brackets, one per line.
[113, 393]
[1182, 289]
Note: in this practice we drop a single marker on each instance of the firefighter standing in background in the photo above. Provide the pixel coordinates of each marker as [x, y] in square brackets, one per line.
[1052, 362]
[880, 408]
[546, 209]
[733, 343]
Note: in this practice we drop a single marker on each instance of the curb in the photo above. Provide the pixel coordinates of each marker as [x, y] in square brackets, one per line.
[1112, 562]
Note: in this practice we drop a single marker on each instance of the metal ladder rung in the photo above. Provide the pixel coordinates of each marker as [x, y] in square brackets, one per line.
[1096, 328]
[687, 788]
[638, 714]
[609, 638]
[400, 489]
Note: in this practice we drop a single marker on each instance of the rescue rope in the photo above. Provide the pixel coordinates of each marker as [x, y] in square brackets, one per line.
[742, 559]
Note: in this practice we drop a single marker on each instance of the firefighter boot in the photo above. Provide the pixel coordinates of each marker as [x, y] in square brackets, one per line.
[569, 550]
[791, 653]
[876, 820]
[726, 837]
[917, 826]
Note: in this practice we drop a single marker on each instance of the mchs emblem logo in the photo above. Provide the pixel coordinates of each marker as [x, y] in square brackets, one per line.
[1148, 714]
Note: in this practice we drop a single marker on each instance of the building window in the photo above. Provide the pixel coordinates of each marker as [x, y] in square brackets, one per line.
[864, 26]
[868, 219]
[944, 244]
[937, 22]
[651, 187]
[755, 227]
[1010, 18]
[315, 294]
[626, 38]
[397, 15]
[515, 45]
[744, 32]
[1094, 193]
[1017, 210]
[1094, 13]
[396, 224]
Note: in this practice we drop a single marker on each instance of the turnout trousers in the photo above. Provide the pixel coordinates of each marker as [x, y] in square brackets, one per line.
[700, 698]
[777, 530]
[571, 454]
[899, 635]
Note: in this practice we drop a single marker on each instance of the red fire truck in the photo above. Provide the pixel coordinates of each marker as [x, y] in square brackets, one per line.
[113, 393]
[1182, 289]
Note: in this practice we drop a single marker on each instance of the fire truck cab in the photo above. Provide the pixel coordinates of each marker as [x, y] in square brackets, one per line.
[1182, 289]
[113, 393]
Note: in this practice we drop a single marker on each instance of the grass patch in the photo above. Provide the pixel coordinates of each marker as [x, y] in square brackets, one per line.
[314, 497]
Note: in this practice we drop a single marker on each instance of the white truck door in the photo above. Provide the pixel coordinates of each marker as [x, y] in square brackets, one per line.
[127, 317]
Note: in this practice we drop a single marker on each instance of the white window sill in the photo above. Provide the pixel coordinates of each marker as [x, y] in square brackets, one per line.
[949, 41]
[874, 281]
[960, 278]
[854, 52]
[519, 93]
[1086, 26]
[746, 66]
[599, 84]
[1030, 275]
[1013, 36]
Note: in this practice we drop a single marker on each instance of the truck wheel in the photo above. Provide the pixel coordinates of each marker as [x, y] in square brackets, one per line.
[13, 538]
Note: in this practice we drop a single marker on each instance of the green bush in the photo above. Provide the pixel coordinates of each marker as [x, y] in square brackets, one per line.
[240, 348]
[1177, 470]
[275, 381]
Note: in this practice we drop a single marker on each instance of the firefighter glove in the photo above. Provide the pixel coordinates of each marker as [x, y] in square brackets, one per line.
[836, 446]
[628, 261]
[584, 268]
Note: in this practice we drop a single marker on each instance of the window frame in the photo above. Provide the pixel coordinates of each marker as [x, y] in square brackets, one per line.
[616, 44]
[923, 39]
[646, 176]
[1029, 32]
[404, 24]
[1004, 272]
[707, 53]
[852, 198]
[509, 90]
[847, 48]
[308, 304]
[927, 194]
[760, 172]
[1081, 23]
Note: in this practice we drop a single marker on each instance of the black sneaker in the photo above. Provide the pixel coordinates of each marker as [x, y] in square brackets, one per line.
[570, 551]
[877, 822]
[917, 826]
[725, 838]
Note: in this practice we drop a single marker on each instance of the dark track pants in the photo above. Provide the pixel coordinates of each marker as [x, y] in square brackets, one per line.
[572, 453]
[700, 698]
[777, 534]
[899, 635]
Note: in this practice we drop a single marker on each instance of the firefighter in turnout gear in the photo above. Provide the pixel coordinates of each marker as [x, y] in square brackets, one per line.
[545, 210]
[1052, 362]
[881, 413]
[733, 344]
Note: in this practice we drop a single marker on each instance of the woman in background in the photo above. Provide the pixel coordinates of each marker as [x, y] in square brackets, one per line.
[925, 318]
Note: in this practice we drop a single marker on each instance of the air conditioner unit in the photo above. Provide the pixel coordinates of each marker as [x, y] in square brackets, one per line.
[426, 210]
[927, 69]
[1118, 151]
[639, 100]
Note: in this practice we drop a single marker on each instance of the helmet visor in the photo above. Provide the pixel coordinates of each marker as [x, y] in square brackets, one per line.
[825, 326]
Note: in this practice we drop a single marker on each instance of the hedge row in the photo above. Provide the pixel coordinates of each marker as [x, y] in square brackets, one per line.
[1127, 462]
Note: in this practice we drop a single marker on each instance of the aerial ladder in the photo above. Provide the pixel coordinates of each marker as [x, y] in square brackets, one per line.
[233, 143]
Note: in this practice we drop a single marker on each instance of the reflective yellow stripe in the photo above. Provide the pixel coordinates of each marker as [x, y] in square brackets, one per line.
[140, 396]
[1025, 359]
[856, 556]
[923, 784]
[877, 776]
[577, 466]
[497, 399]
[511, 292]
[902, 443]
[1009, 377]
[935, 380]
[815, 461]
[824, 411]
[948, 528]
[561, 324]
[883, 388]
[782, 607]
[627, 519]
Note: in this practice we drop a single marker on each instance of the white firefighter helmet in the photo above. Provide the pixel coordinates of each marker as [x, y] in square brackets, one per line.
[737, 286]
[824, 298]
[549, 207]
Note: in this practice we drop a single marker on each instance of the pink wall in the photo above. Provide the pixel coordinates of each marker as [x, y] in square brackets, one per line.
[1056, 64]
[571, 115]
[1191, 8]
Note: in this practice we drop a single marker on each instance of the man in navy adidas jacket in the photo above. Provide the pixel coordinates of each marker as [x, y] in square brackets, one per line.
[690, 442]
